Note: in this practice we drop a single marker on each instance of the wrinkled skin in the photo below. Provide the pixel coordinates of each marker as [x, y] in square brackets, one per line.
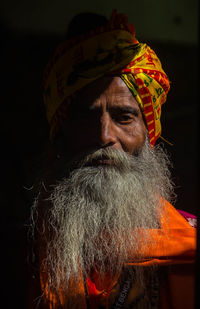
[104, 114]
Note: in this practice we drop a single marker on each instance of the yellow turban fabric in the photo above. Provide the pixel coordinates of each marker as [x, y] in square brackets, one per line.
[108, 50]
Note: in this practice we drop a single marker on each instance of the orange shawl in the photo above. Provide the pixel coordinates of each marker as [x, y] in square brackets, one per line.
[175, 248]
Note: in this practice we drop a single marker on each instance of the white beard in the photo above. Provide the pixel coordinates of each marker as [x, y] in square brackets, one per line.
[94, 213]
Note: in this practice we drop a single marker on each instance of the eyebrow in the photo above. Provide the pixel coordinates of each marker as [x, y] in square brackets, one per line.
[125, 109]
[116, 109]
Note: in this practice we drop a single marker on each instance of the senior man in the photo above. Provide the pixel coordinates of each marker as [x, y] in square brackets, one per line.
[106, 235]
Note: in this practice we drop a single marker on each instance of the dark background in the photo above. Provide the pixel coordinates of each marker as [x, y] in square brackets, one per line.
[30, 30]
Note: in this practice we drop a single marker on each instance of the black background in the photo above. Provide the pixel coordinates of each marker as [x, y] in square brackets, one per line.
[24, 132]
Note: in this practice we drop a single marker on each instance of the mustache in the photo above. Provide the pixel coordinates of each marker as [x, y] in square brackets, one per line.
[110, 156]
[106, 157]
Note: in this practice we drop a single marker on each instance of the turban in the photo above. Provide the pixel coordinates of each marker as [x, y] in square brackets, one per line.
[108, 50]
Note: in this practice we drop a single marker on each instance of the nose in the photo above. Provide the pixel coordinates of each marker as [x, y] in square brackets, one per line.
[107, 136]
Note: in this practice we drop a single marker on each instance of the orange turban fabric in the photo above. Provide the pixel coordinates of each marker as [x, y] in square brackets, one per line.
[108, 50]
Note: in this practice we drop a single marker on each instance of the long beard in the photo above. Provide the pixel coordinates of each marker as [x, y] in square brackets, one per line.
[95, 212]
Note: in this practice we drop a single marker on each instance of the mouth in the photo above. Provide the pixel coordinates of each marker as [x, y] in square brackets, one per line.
[100, 162]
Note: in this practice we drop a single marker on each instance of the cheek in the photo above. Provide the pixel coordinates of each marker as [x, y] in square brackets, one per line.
[78, 137]
[133, 138]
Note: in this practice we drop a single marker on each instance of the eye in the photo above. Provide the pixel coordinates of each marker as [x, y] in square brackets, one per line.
[124, 118]
[82, 114]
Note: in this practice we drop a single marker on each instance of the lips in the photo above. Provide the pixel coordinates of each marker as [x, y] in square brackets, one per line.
[105, 162]
[101, 161]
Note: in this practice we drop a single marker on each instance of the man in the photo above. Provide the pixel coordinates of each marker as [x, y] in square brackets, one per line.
[106, 235]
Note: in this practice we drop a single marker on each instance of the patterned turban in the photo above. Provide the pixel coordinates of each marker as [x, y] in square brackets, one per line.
[107, 50]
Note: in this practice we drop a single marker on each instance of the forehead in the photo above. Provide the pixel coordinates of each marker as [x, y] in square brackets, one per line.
[111, 90]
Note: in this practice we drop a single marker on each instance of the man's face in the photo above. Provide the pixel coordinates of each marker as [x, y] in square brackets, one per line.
[104, 114]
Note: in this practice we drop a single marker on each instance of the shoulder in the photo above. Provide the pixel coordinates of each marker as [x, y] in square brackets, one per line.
[179, 218]
[191, 219]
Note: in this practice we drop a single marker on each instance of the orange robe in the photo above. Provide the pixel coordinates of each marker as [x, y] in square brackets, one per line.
[174, 253]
